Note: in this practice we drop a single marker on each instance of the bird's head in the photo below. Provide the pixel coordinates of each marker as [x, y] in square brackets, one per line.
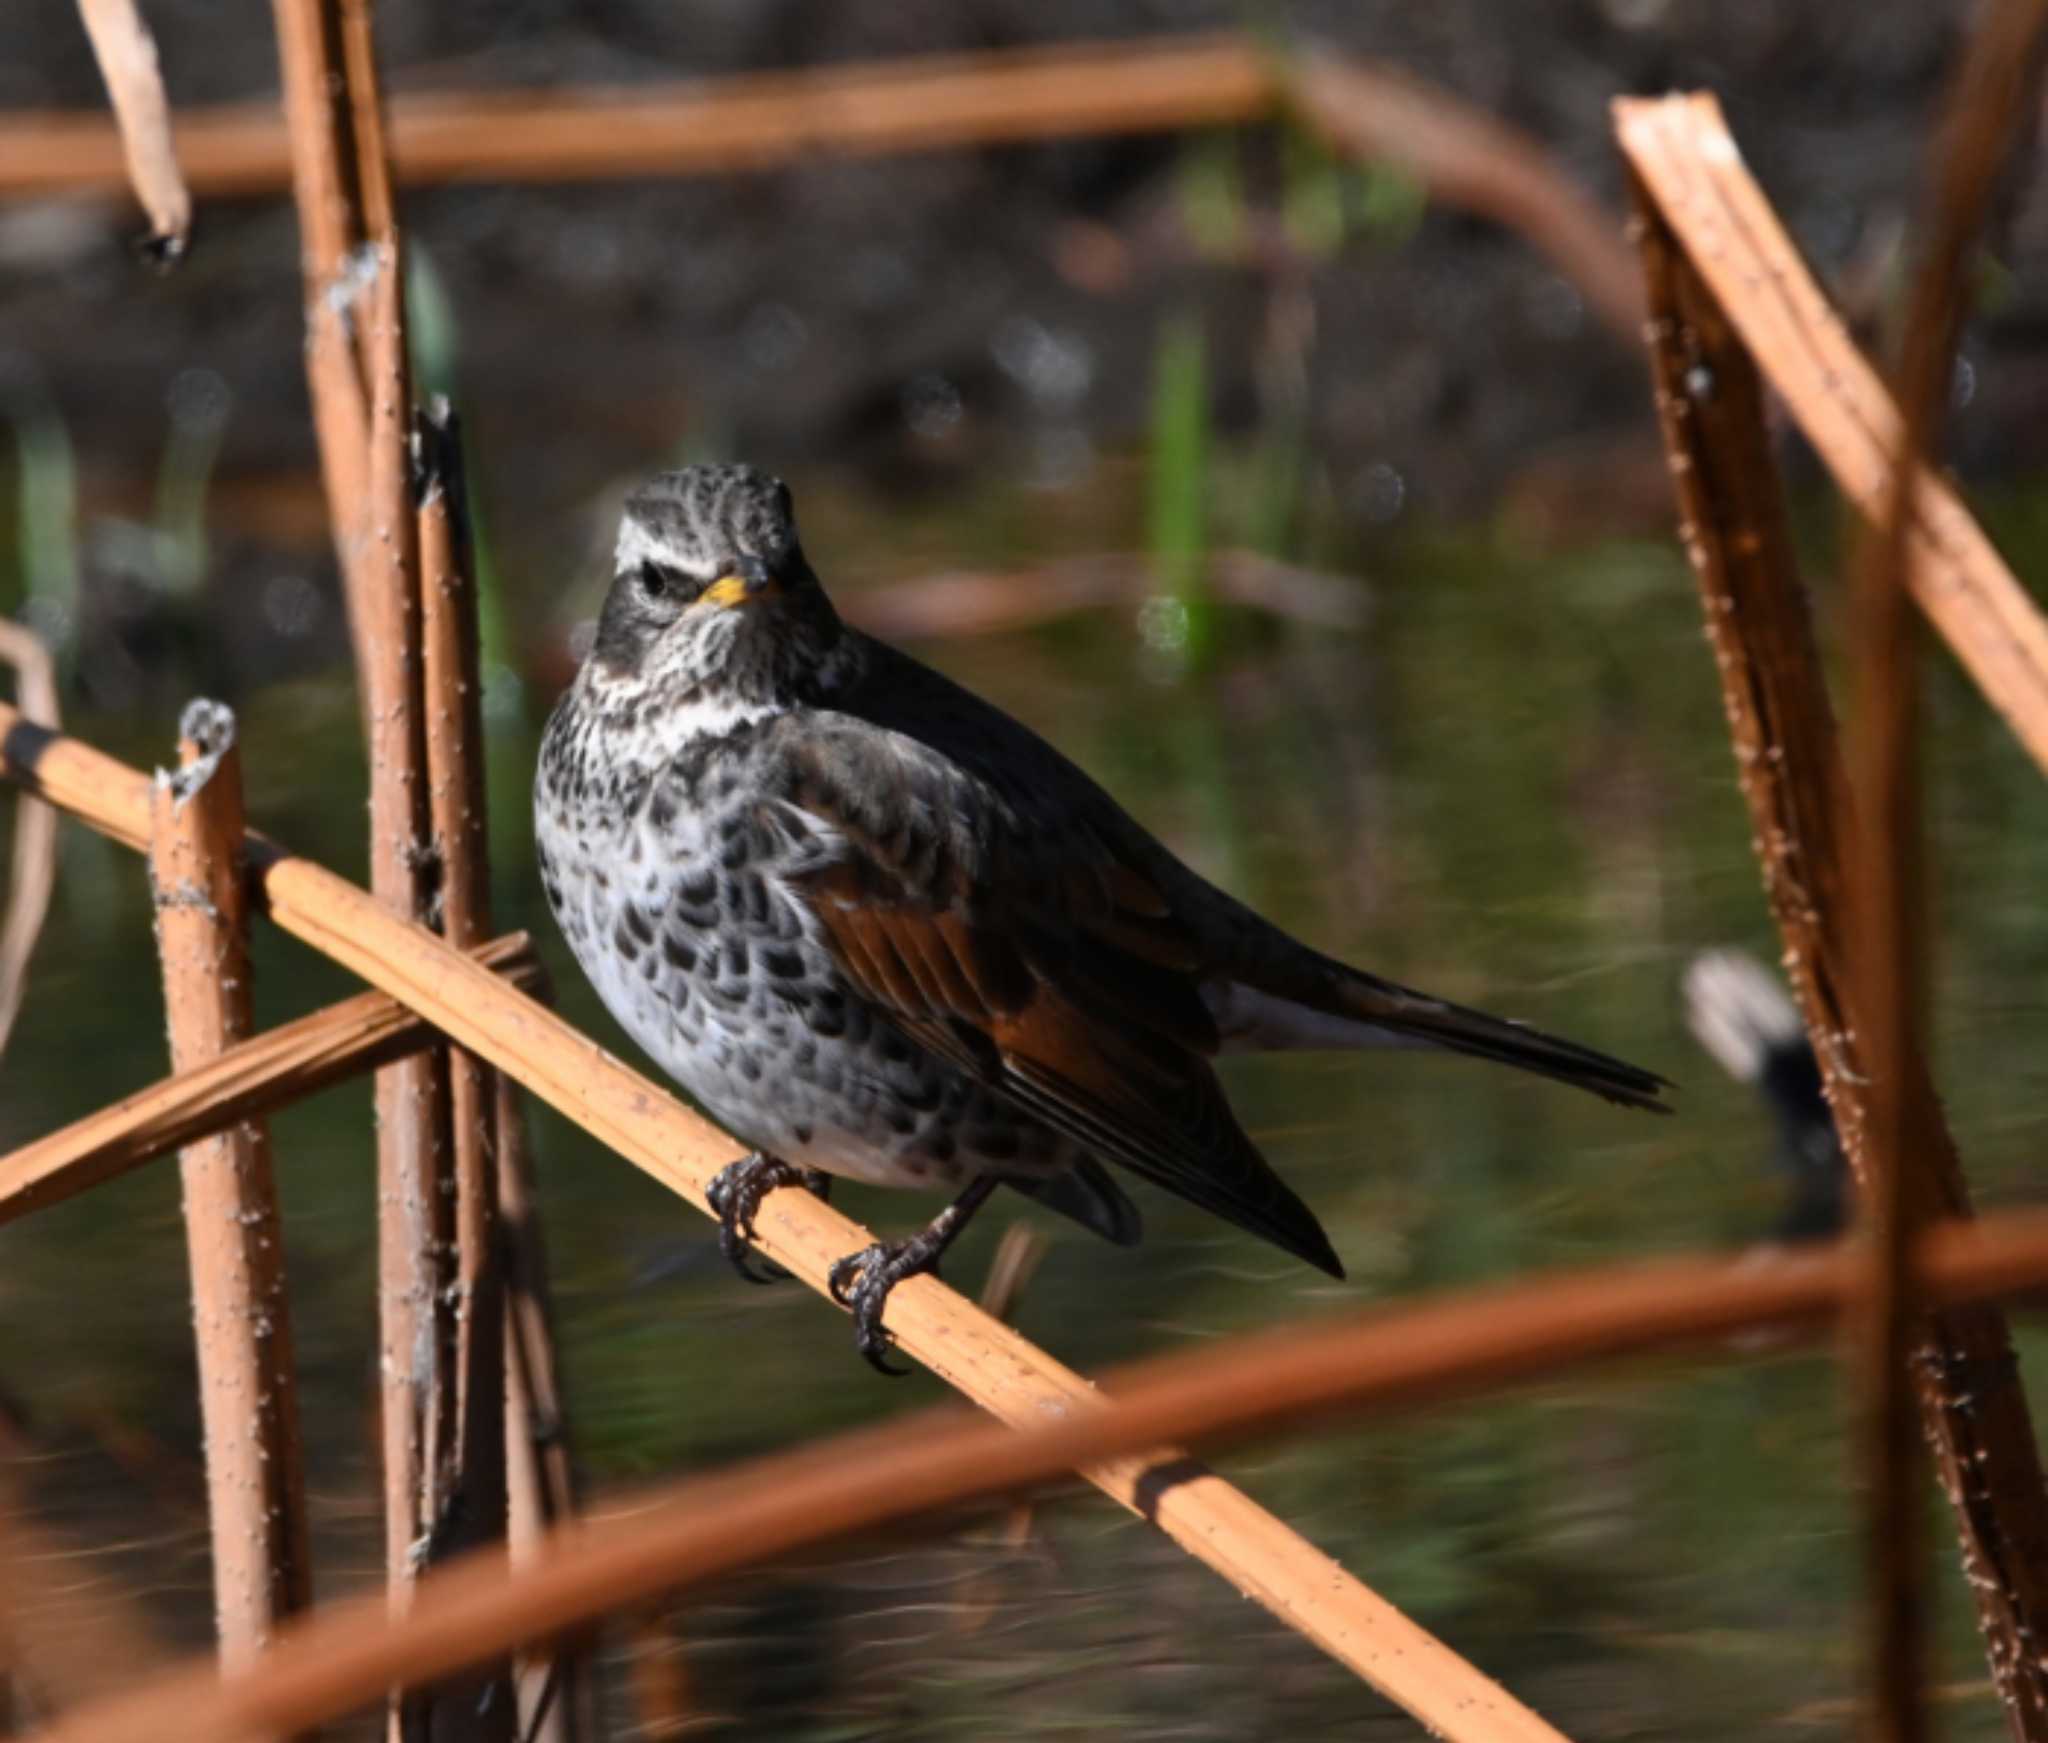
[710, 588]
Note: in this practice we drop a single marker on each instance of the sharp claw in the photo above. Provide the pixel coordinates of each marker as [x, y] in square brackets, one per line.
[861, 1283]
[844, 1279]
[735, 1193]
[876, 1356]
[869, 1337]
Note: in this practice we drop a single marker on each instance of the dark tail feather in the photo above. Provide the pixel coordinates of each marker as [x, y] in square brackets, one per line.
[1086, 1193]
[1459, 1030]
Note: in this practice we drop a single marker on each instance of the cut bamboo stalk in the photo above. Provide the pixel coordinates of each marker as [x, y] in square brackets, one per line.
[1693, 171]
[1735, 531]
[982, 1358]
[255, 1465]
[1468, 1344]
[250, 1079]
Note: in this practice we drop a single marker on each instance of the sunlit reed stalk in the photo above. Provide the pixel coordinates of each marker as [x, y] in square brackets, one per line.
[648, 1127]
[255, 1466]
[1730, 298]
[1993, 89]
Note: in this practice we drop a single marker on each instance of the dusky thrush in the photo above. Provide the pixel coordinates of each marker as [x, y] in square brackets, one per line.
[880, 929]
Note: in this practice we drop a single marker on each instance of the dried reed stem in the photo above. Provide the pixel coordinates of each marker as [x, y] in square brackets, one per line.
[311, 151]
[250, 1079]
[255, 1469]
[1470, 1343]
[1691, 167]
[540, 1480]
[456, 816]
[341, 424]
[761, 121]
[126, 52]
[1733, 525]
[365, 129]
[333, 111]
[987, 1361]
[413, 1208]
[704, 127]
[453, 681]
[1992, 89]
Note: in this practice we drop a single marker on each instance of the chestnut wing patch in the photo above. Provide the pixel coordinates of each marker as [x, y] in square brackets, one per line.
[1057, 974]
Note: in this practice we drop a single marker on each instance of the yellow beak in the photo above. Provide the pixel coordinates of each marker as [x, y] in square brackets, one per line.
[729, 590]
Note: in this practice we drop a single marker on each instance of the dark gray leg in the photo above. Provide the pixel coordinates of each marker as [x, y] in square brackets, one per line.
[862, 1281]
[735, 1193]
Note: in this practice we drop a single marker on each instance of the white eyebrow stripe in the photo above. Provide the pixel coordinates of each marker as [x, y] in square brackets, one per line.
[637, 545]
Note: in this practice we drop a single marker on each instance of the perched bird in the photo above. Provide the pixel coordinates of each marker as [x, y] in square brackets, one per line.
[880, 929]
[1741, 1015]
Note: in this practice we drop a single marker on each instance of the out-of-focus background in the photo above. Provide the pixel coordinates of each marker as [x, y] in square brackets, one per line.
[1471, 740]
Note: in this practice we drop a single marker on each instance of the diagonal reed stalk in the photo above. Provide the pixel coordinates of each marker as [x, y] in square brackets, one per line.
[647, 1126]
[1710, 266]
[255, 1077]
[126, 52]
[687, 1534]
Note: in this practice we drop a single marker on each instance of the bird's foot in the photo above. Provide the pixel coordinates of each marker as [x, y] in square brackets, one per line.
[861, 1282]
[736, 1192]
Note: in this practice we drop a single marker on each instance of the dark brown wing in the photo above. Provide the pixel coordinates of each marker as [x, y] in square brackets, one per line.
[1035, 958]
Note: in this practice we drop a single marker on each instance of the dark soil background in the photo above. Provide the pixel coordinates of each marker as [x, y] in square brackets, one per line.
[893, 316]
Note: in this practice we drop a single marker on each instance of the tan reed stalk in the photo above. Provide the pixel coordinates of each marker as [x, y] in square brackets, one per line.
[248, 1388]
[761, 121]
[1734, 527]
[494, 1448]
[650, 1128]
[121, 43]
[246, 1081]
[1473, 1342]
[1995, 85]
[1690, 165]
[356, 335]
[540, 1480]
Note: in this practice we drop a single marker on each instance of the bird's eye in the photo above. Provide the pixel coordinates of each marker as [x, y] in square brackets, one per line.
[662, 585]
